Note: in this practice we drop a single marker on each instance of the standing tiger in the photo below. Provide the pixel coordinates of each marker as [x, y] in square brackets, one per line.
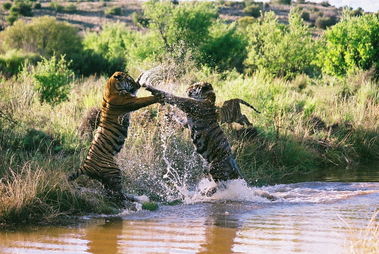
[119, 99]
[207, 135]
[230, 112]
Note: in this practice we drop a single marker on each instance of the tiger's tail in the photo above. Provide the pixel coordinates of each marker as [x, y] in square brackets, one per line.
[247, 104]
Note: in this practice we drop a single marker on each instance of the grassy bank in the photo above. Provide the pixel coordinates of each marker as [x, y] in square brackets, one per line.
[306, 124]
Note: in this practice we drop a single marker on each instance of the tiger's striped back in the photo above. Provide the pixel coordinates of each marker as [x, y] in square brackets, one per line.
[118, 101]
[230, 112]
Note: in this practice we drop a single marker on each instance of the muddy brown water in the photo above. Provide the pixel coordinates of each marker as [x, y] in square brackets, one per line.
[320, 216]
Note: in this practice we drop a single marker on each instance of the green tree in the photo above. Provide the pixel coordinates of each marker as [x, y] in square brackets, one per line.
[350, 45]
[51, 79]
[112, 44]
[44, 36]
[180, 27]
[281, 50]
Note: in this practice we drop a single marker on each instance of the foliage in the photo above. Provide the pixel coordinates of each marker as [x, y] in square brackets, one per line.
[51, 79]
[44, 36]
[113, 11]
[287, 2]
[112, 44]
[253, 10]
[350, 45]
[7, 5]
[12, 61]
[56, 6]
[280, 50]
[180, 27]
[37, 5]
[225, 49]
[22, 8]
[140, 20]
[325, 22]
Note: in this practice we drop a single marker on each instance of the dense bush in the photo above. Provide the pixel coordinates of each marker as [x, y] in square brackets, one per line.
[350, 45]
[22, 8]
[281, 50]
[253, 10]
[113, 11]
[139, 19]
[71, 8]
[191, 30]
[325, 22]
[305, 15]
[111, 44]
[56, 6]
[288, 2]
[183, 27]
[7, 5]
[37, 5]
[45, 36]
[226, 49]
[51, 79]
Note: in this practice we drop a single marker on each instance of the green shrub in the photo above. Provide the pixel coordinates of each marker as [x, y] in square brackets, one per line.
[71, 8]
[23, 8]
[12, 61]
[281, 50]
[140, 20]
[181, 28]
[253, 10]
[56, 6]
[7, 5]
[111, 44]
[287, 2]
[11, 18]
[51, 79]
[113, 11]
[37, 5]
[226, 49]
[305, 15]
[44, 36]
[325, 3]
[350, 45]
[325, 22]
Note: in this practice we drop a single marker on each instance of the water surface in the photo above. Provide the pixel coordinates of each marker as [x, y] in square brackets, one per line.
[306, 217]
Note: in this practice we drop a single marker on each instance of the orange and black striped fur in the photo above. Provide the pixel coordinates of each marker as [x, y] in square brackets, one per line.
[119, 99]
[230, 112]
[207, 136]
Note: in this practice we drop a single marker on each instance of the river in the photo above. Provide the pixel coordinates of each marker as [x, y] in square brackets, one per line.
[326, 215]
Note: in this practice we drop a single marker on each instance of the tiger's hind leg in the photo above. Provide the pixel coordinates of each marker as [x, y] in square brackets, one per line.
[244, 121]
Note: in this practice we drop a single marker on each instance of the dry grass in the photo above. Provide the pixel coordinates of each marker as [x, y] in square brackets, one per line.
[366, 241]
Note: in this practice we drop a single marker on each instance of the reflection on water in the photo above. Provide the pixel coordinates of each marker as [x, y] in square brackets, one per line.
[309, 217]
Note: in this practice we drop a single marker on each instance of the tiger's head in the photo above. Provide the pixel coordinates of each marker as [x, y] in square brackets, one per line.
[120, 84]
[202, 91]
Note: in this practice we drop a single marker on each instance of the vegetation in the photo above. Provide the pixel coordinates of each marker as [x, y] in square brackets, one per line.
[350, 45]
[318, 97]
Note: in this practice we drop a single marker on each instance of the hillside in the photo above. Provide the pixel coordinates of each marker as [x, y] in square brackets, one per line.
[92, 15]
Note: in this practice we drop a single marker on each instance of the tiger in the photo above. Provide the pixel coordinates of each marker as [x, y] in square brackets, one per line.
[119, 99]
[230, 112]
[207, 136]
